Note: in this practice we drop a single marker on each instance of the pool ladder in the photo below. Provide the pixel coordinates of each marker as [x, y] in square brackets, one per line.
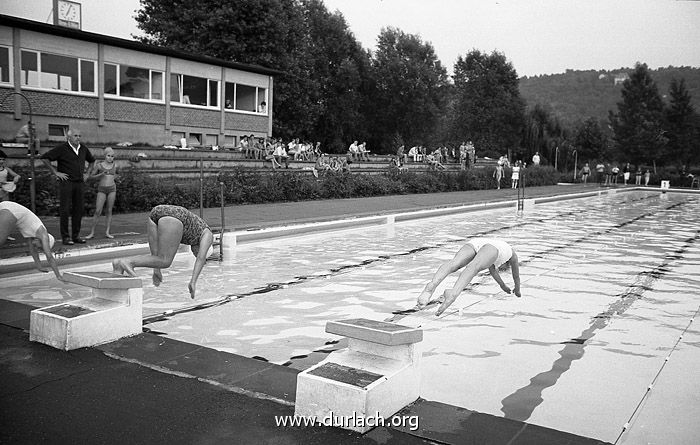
[521, 192]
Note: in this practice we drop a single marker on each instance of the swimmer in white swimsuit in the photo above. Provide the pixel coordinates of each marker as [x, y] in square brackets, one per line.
[15, 216]
[477, 255]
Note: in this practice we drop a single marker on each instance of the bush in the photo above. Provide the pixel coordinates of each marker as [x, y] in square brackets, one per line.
[138, 192]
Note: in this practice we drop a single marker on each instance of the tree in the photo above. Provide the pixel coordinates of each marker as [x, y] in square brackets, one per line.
[408, 90]
[488, 106]
[590, 141]
[682, 126]
[638, 124]
[342, 67]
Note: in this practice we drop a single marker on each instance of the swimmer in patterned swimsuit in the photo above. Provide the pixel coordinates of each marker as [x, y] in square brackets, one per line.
[477, 255]
[168, 227]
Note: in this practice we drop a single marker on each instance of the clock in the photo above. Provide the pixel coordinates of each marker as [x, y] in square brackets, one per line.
[67, 13]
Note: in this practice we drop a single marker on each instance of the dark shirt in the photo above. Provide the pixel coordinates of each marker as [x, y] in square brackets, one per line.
[67, 162]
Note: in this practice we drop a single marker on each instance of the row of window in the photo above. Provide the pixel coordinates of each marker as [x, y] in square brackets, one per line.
[59, 131]
[51, 71]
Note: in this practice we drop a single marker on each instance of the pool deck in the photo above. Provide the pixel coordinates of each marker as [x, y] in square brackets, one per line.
[152, 389]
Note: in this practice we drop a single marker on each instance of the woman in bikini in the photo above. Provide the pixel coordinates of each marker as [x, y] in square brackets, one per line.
[168, 227]
[477, 255]
[106, 191]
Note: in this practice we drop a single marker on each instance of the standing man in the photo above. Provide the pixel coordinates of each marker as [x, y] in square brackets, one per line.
[70, 158]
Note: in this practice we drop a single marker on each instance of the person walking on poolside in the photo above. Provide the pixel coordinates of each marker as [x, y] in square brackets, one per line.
[498, 174]
[70, 158]
[585, 172]
[15, 216]
[168, 227]
[476, 255]
[106, 191]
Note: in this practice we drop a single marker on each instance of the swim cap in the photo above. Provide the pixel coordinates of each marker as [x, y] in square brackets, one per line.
[52, 240]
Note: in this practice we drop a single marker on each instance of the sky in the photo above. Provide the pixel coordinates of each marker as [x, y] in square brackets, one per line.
[536, 36]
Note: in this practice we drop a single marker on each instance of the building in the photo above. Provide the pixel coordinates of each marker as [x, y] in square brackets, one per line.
[118, 90]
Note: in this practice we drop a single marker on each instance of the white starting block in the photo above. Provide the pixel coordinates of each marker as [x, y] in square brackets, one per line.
[376, 376]
[112, 312]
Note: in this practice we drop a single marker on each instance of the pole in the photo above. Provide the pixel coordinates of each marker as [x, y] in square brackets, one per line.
[201, 187]
[556, 157]
[575, 163]
[223, 223]
[32, 148]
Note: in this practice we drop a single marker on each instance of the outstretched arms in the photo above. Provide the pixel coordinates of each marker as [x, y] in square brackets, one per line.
[201, 253]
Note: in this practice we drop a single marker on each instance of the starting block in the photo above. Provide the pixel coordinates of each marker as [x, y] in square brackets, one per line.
[113, 311]
[376, 376]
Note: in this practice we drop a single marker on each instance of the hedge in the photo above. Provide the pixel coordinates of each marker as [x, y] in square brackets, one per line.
[138, 192]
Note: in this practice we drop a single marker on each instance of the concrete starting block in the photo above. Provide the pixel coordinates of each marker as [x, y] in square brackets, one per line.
[376, 376]
[113, 311]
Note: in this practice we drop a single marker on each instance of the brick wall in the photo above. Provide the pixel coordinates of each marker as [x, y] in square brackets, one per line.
[190, 117]
[127, 111]
[246, 122]
[54, 104]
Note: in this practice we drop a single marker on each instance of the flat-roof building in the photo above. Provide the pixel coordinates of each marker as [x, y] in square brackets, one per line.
[118, 90]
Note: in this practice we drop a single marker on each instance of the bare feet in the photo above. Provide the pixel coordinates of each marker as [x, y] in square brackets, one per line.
[109, 236]
[448, 299]
[121, 266]
[90, 236]
[157, 277]
[424, 298]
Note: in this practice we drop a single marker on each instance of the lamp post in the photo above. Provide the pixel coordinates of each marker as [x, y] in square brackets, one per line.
[575, 163]
[30, 146]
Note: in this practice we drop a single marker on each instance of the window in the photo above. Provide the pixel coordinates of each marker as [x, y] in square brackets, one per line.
[195, 139]
[4, 64]
[59, 131]
[230, 141]
[245, 98]
[131, 81]
[51, 71]
[30, 68]
[212, 139]
[194, 90]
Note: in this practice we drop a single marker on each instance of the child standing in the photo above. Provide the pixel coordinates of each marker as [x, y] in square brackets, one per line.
[6, 187]
[498, 174]
[515, 175]
[106, 191]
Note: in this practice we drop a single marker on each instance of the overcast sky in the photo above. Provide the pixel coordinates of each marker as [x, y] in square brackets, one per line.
[537, 36]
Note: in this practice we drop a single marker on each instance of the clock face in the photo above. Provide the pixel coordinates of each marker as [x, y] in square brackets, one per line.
[69, 12]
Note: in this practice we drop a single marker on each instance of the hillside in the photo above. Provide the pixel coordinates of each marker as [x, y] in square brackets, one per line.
[576, 95]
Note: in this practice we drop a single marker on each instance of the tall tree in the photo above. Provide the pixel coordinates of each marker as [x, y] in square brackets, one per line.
[682, 126]
[489, 109]
[342, 67]
[590, 141]
[638, 125]
[408, 93]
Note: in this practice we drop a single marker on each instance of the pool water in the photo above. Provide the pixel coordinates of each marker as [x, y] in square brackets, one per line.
[608, 283]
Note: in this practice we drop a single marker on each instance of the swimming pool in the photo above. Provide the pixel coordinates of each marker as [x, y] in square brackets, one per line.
[609, 284]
